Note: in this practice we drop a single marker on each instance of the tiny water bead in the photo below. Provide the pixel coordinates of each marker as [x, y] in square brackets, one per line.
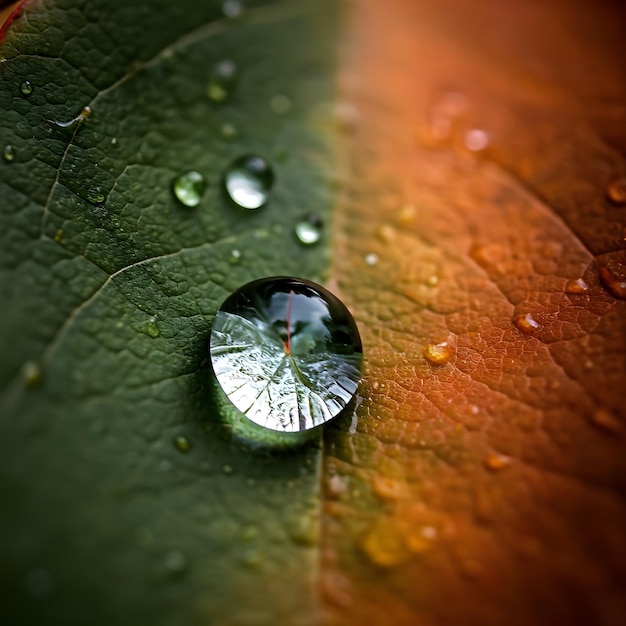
[222, 80]
[9, 153]
[286, 352]
[26, 88]
[309, 230]
[189, 188]
[577, 286]
[371, 258]
[95, 195]
[181, 443]
[249, 180]
[616, 191]
[438, 353]
[526, 323]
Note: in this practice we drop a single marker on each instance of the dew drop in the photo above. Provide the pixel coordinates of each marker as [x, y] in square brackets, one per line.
[222, 80]
[335, 486]
[249, 180]
[228, 131]
[31, 374]
[476, 140]
[9, 153]
[26, 88]
[181, 443]
[286, 352]
[438, 353]
[232, 8]
[386, 233]
[309, 230]
[497, 462]
[152, 328]
[612, 270]
[371, 258]
[606, 421]
[227, 469]
[189, 188]
[280, 104]
[616, 191]
[383, 545]
[577, 286]
[95, 196]
[175, 562]
[526, 323]
[235, 257]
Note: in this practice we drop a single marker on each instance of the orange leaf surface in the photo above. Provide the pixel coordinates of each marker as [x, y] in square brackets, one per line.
[480, 244]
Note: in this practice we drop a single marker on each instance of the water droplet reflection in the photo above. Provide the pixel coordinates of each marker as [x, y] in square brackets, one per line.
[309, 230]
[26, 88]
[286, 352]
[189, 188]
[249, 180]
[616, 191]
[9, 154]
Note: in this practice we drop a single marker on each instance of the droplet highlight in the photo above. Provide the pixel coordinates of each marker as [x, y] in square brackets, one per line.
[181, 443]
[371, 259]
[309, 230]
[476, 140]
[249, 180]
[222, 80]
[31, 374]
[152, 328]
[286, 352]
[189, 188]
[8, 153]
[497, 462]
[26, 88]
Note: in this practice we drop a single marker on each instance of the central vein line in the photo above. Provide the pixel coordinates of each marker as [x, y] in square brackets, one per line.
[289, 321]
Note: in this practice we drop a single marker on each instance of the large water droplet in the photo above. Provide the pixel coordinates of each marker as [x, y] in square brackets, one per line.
[616, 191]
[286, 352]
[222, 80]
[189, 188]
[309, 230]
[612, 270]
[26, 88]
[9, 153]
[249, 180]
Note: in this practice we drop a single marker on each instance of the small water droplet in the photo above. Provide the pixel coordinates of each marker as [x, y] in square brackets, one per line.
[227, 469]
[222, 80]
[26, 88]
[249, 180]
[189, 188]
[95, 196]
[476, 140]
[31, 373]
[432, 280]
[383, 545]
[497, 462]
[371, 258]
[407, 214]
[152, 328]
[9, 153]
[606, 421]
[577, 286]
[526, 323]
[249, 533]
[616, 191]
[235, 257]
[114, 141]
[175, 562]
[181, 443]
[39, 583]
[309, 230]
[280, 104]
[86, 112]
[438, 353]
[612, 270]
[232, 8]
[228, 131]
[335, 486]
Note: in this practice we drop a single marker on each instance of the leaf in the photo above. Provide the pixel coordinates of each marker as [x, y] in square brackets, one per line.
[132, 496]
[485, 482]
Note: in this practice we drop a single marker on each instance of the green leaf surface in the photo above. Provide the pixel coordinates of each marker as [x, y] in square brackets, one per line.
[107, 307]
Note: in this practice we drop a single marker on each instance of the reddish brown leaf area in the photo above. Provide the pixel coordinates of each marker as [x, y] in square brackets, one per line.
[480, 243]
[8, 14]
